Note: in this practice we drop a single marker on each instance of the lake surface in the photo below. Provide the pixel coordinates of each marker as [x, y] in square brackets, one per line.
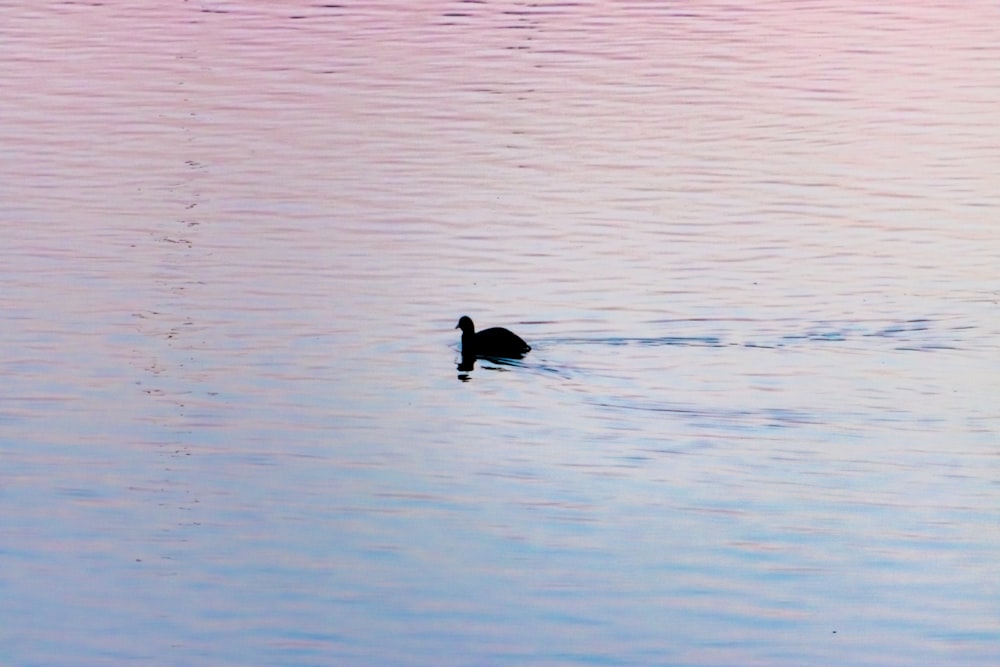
[755, 250]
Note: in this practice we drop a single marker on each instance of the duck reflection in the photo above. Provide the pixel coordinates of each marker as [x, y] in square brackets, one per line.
[467, 364]
[489, 363]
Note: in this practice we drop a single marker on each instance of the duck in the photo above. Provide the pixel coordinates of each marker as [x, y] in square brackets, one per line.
[493, 342]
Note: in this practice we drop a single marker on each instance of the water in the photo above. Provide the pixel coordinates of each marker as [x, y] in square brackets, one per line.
[754, 250]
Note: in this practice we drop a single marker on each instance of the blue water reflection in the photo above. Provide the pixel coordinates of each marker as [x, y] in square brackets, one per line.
[751, 248]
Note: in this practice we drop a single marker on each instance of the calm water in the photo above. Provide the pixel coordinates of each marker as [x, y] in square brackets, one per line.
[755, 251]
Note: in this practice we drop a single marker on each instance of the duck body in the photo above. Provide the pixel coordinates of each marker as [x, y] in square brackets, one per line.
[492, 342]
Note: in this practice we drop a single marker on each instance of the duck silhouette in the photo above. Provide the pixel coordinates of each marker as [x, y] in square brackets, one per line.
[495, 342]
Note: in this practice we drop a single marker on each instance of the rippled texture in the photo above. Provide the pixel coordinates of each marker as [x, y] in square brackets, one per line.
[754, 251]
